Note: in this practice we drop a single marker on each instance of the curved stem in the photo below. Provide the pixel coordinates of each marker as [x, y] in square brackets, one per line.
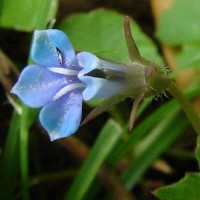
[186, 106]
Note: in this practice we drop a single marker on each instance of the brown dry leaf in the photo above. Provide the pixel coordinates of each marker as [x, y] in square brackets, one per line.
[163, 166]
[8, 72]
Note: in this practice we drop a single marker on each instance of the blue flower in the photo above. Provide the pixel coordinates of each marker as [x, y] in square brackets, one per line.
[60, 80]
[52, 83]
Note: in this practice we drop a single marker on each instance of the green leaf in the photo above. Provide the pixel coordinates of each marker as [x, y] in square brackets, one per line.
[189, 57]
[180, 23]
[108, 137]
[185, 189]
[101, 32]
[24, 15]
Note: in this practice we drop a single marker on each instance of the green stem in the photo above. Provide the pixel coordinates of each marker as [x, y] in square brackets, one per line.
[24, 153]
[186, 106]
[24, 122]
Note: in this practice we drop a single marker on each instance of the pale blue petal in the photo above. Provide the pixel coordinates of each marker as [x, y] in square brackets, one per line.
[88, 62]
[100, 88]
[62, 117]
[37, 85]
[97, 87]
[45, 47]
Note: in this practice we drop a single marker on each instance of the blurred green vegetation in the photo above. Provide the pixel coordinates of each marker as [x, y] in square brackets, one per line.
[103, 160]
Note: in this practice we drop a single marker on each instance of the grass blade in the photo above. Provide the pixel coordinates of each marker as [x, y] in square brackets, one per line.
[104, 144]
[150, 148]
[10, 161]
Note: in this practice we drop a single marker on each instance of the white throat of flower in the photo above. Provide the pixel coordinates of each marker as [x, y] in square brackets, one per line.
[67, 89]
[63, 71]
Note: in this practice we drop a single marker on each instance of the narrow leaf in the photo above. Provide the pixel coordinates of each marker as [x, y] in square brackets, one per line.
[108, 137]
[134, 54]
[153, 146]
[10, 162]
[105, 105]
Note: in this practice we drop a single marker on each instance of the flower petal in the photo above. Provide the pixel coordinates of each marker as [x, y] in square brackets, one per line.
[62, 117]
[37, 85]
[97, 87]
[52, 48]
[88, 62]
[100, 88]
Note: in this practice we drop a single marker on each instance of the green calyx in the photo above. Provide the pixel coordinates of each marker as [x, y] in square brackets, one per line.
[153, 79]
[157, 80]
